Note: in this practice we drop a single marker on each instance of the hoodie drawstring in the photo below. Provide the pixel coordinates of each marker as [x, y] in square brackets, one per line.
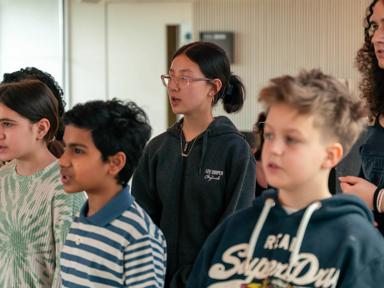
[269, 203]
[300, 234]
[203, 151]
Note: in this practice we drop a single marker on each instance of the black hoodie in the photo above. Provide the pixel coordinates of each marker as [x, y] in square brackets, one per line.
[187, 197]
[331, 243]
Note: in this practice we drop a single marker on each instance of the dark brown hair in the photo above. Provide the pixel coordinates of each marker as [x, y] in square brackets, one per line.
[33, 100]
[372, 81]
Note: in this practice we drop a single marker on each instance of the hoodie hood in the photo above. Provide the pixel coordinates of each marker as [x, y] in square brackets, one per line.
[220, 126]
[331, 208]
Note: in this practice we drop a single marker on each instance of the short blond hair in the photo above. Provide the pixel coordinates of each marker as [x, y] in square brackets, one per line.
[338, 114]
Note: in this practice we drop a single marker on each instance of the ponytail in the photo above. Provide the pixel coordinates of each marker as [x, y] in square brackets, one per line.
[233, 95]
[56, 148]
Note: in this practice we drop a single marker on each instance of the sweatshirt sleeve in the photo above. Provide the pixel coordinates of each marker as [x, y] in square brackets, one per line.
[144, 187]
[241, 182]
[64, 208]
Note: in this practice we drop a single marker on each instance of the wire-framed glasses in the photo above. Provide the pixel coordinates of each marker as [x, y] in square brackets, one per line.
[181, 81]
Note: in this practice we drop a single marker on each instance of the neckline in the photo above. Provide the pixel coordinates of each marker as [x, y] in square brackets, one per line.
[37, 173]
[186, 148]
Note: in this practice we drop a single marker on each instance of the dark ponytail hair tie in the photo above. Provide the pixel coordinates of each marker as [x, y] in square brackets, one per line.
[229, 90]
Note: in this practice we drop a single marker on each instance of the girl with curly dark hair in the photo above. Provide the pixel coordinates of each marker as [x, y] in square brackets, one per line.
[370, 62]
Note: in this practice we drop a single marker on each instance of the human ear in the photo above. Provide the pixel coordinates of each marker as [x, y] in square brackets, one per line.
[216, 86]
[42, 126]
[116, 163]
[334, 153]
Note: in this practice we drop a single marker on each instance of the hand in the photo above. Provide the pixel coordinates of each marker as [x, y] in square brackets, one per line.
[359, 187]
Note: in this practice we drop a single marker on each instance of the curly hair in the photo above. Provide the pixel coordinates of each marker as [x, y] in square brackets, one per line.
[372, 82]
[115, 126]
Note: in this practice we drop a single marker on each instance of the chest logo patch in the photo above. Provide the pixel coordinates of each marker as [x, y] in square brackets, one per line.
[212, 175]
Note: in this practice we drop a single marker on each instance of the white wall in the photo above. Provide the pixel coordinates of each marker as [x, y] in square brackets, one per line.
[31, 35]
[118, 49]
[86, 51]
[274, 37]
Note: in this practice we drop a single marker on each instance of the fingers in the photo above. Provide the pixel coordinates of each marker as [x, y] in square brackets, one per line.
[346, 187]
[350, 179]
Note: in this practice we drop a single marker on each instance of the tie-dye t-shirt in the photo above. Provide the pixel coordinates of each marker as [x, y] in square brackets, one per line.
[35, 216]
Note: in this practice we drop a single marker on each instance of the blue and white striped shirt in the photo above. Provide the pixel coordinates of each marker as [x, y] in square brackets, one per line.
[119, 246]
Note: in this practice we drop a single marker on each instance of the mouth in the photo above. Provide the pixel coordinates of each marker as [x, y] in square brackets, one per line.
[174, 100]
[380, 53]
[273, 166]
[2, 148]
[65, 178]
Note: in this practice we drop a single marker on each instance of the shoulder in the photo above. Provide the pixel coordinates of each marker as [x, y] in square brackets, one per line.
[139, 225]
[7, 169]
[352, 219]
[244, 219]
[50, 173]
[165, 140]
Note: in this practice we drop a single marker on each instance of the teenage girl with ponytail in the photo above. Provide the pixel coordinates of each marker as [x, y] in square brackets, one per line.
[35, 212]
[201, 169]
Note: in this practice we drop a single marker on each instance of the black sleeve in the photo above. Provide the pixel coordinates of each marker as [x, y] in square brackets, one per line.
[241, 183]
[144, 188]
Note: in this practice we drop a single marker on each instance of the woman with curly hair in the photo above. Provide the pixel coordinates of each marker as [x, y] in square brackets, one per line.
[370, 63]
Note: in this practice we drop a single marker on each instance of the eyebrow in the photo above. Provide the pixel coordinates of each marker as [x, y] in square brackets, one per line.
[182, 70]
[285, 130]
[7, 120]
[381, 20]
[74, 145]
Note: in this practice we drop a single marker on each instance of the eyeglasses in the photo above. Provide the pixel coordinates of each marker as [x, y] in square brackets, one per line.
[181, 81]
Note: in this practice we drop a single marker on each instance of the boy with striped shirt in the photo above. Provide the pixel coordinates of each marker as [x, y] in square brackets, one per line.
[113, 242]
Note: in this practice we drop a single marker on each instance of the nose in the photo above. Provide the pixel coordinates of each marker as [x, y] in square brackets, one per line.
[2, 134]
[276, 146]
[64, 160]
[378, 36]
[173, 85]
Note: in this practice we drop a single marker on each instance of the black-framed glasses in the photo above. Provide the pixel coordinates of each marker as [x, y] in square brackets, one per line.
[181, 81]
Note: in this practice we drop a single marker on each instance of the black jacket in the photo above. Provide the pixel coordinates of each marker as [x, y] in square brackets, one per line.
[187, 197]
[330, 243]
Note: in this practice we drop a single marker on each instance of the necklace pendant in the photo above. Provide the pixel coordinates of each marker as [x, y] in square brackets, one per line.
[184, 154]
[186, 149]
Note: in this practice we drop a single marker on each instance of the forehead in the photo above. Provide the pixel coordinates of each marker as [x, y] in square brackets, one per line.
[285, 117]
[8, 113]
[76, 135]
[182, 63]
[378, 12]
